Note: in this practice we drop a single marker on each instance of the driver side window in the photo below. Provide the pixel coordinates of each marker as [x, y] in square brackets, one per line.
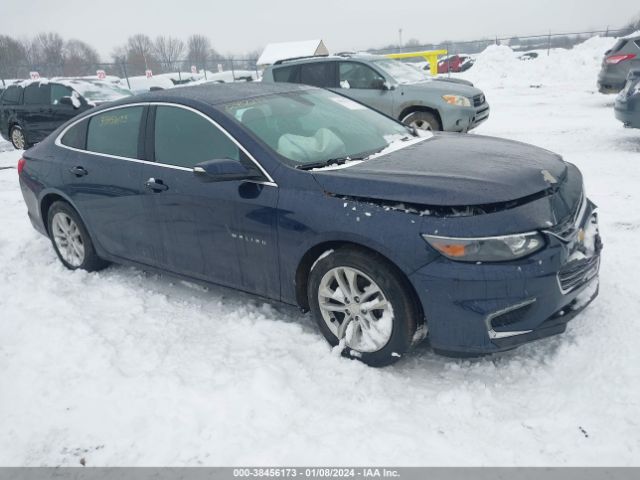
[184, 138]
[58, 92]
[358, 75]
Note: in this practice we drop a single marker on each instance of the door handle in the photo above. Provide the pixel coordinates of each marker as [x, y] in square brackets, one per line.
[78, 171]
[155, 185]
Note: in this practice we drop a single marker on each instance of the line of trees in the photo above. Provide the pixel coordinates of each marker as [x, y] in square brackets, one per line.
[51, 55]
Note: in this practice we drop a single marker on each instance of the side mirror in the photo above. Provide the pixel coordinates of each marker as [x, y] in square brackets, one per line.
[67, 101]
[224, 170]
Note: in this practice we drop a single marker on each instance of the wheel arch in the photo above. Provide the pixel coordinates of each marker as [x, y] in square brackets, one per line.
[420, 108]
[313, 254]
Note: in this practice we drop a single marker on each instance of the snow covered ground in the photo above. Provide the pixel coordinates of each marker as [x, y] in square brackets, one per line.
[123, 367]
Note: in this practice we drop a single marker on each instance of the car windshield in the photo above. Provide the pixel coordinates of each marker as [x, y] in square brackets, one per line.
[99, 91]
[401, 72]
[310, 127]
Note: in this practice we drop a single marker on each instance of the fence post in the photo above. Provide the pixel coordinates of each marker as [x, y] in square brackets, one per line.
[126, 75]
[233, 72]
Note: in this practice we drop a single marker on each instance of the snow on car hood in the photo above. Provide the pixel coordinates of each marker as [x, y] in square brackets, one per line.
[451, 170]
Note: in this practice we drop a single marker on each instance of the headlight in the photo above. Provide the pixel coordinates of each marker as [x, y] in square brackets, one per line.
[487, 249]
[457, 100]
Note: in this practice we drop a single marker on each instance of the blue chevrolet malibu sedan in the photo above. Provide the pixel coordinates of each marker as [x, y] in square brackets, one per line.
[388, 235]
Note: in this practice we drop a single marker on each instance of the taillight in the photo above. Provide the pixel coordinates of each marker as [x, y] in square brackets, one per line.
[615, 59]
[21, 164]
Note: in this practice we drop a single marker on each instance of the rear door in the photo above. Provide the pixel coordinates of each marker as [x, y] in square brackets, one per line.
[10, 105]
[364, 84]
[223, 232]
[36, 111]
[102, 175]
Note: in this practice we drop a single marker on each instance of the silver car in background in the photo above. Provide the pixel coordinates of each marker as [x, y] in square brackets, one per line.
[391, 87]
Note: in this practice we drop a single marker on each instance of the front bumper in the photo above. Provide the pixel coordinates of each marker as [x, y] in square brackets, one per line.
[476, 309]
[463, 119]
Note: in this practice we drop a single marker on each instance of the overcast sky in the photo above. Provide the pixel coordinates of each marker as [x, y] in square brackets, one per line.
[238, 26]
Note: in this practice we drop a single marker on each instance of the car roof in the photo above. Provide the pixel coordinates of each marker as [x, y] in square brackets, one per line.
[331, 58]
[215, 93]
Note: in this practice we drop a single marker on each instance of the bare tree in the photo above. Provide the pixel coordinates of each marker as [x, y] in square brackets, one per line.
[11, 56]
[169, 51]
[140, 53]
[198, 50]
[80, 58]
[50, 47]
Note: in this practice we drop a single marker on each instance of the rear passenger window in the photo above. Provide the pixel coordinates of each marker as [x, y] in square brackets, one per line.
[36, 94]
[317, 74]
[12, 96]
[76, 135]
[185, 138]
[287, 74]
[115, 132]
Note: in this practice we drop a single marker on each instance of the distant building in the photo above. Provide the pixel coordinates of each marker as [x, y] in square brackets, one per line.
[281, 51]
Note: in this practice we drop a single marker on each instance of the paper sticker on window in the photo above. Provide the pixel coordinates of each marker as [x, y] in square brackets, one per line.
[350, 104]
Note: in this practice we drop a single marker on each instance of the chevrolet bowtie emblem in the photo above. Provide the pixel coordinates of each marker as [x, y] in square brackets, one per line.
[548, 177]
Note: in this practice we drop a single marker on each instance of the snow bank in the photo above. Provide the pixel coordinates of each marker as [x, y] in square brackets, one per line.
[499, 66]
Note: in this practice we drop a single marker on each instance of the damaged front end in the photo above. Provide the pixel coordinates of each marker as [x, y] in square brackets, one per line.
[495, 303]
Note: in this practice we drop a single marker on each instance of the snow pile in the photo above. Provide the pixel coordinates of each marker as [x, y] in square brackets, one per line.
[499, 66]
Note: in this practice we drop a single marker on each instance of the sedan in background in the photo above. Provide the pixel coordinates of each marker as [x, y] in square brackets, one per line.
[294, 193]
[627, 106]
[31, 110]
[617, 62]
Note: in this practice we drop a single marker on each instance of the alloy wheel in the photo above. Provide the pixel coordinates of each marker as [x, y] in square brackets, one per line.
[355, 309]
[68, 239]
[17, 138]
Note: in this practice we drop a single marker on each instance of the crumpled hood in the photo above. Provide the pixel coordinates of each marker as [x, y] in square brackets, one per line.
[450, 170]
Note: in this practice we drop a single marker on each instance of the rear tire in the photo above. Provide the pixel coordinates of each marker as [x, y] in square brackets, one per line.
[18, 139]
[376, 336]
[422, 121]
[71, 240]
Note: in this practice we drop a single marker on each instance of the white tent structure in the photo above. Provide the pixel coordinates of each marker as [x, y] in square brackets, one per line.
[281, 51]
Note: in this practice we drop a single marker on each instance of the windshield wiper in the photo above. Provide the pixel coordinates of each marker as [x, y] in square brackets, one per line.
[342, 160]
[335, 161]
[324, 163]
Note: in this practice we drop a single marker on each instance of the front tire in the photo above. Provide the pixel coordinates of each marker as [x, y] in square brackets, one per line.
[18, 139]
[71, 240]
[361, 301]
[422, 121]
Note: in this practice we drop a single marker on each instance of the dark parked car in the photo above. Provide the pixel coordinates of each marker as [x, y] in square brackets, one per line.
[29, 111]
[301, 195]
[627, 106]
[617, 62]
[391, 87]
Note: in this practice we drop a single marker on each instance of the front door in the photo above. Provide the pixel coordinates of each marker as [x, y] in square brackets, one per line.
[223, 232]
[62, 112]
[364, 84]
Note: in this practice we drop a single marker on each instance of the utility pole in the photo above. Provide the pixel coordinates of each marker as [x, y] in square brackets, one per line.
[400, 39]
